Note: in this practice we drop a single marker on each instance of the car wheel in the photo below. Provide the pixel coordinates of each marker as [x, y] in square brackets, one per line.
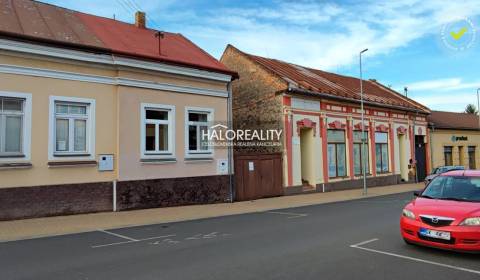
[407, 242]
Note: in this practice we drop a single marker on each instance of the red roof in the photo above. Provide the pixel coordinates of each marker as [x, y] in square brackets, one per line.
[321, 82]
[450, 120]
[38, 21]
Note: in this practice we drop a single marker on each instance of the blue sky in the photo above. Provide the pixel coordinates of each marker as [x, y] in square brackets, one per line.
[404, 37]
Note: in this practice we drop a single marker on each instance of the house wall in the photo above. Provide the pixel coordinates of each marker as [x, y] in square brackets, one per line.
[446, 137]
[346, 117]
[129, 163]
[255, 102]
[44, 190]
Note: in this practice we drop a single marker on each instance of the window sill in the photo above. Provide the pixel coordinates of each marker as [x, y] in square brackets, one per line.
[78, 163]
[147, 161]
[198, 160]
[71, 155]
[16, 165]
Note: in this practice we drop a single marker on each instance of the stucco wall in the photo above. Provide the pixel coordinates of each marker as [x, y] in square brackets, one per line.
[41, 89]
[441, 138]
[130, 167]
[117, 118]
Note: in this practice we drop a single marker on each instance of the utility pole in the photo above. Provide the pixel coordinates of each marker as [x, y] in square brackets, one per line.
[362, 152]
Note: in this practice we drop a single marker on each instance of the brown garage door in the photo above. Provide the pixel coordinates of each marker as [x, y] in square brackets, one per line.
[258, 176]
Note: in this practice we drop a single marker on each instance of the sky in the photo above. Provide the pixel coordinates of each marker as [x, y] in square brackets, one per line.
[410, 42]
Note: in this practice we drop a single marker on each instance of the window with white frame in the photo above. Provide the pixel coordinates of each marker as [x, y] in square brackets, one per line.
[157, 130]
[196, 126]
[11, 123]
[15, 123]
[72, 126]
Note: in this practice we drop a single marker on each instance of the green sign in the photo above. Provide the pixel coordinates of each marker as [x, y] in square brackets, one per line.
[459, 138]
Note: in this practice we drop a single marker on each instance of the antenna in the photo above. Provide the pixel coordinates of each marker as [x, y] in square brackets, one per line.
[160, 35]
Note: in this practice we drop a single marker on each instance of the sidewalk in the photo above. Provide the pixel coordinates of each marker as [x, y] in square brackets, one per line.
[32, 228]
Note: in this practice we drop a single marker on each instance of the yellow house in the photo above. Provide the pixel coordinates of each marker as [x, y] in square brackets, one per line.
[455, 139]
[100, 115]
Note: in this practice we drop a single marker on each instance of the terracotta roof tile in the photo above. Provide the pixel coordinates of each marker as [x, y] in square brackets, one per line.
[39, 21]
[318, 81]
[450, 120]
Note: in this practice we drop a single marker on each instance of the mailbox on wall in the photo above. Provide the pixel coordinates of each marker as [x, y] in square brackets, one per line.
[105, 162]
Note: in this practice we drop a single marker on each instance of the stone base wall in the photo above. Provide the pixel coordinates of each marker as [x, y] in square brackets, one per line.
[348, 184]
[56, 200]
[172, 192]
[53, 200]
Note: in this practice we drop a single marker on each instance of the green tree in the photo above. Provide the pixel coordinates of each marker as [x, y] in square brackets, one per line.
[471, 109]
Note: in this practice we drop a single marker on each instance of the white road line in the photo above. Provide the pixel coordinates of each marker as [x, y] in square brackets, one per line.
[357, 246]
[132, 241]
[364, 242]
[292, 215]
[117, 235]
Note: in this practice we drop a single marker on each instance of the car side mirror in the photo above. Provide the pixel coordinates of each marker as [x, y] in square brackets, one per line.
[417, 193]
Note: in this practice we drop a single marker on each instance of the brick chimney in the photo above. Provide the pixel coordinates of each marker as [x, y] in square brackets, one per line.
[140, 19]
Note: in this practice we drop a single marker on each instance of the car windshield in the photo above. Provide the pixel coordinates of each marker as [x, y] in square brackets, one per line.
[459, 188]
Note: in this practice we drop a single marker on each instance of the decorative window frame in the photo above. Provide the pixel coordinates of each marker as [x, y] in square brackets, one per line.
[26, 125]
[170, 154]
[210, 117]
[90, 154]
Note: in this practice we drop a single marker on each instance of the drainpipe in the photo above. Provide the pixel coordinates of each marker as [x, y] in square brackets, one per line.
[230, 147]
[114, 196]
[431, 146]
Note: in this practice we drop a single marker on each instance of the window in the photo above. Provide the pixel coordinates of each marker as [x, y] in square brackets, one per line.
[471, 157]
[196, 128]
[72, 127]
[15, 122]
[360, 155]
[381, 151]
[336, 153]
[447, 154]
[157, 130]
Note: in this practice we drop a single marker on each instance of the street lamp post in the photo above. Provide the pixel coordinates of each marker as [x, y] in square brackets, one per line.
[362, 152]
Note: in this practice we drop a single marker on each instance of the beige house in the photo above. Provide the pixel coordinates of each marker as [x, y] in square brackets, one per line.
[323, 134]
[100, 115]
[455, 139]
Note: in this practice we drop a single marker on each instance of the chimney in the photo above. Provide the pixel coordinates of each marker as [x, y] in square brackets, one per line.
[140, 19]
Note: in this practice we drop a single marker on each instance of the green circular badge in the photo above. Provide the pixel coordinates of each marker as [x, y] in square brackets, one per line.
[459, 35]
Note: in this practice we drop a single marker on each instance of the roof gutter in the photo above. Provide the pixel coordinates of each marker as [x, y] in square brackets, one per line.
[340, 98]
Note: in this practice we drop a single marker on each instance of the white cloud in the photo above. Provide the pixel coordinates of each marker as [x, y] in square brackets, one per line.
[323, 35]
[443, 85]
[317, 34]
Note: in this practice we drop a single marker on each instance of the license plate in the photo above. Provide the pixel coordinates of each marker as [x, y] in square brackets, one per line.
[435, 234]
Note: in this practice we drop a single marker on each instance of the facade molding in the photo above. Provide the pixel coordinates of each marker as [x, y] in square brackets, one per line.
[108, 59]
[118, 81]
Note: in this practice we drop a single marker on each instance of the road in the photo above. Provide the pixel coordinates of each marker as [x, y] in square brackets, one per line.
[345, 240]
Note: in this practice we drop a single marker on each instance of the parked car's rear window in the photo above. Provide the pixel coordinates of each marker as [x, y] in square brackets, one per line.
[454, 188]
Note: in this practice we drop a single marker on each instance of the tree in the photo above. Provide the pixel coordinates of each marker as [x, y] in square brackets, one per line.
[471, 109]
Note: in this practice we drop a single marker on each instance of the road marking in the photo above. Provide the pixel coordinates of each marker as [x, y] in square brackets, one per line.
[363, 243]
[132, 241]
[292, 215]
[358, 246]
[117, 235]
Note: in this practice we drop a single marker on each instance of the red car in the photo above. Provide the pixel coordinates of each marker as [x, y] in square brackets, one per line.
[446, 214]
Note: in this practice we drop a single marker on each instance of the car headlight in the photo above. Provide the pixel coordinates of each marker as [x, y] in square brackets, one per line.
[475, 221]
[409, 214]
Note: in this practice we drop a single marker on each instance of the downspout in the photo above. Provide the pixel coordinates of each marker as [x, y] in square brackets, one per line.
[431, 146]
[230, 147]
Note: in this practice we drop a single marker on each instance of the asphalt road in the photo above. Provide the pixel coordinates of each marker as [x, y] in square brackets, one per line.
[313, 242]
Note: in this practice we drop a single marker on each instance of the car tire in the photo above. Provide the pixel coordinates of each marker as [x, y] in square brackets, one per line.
[407, 242]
